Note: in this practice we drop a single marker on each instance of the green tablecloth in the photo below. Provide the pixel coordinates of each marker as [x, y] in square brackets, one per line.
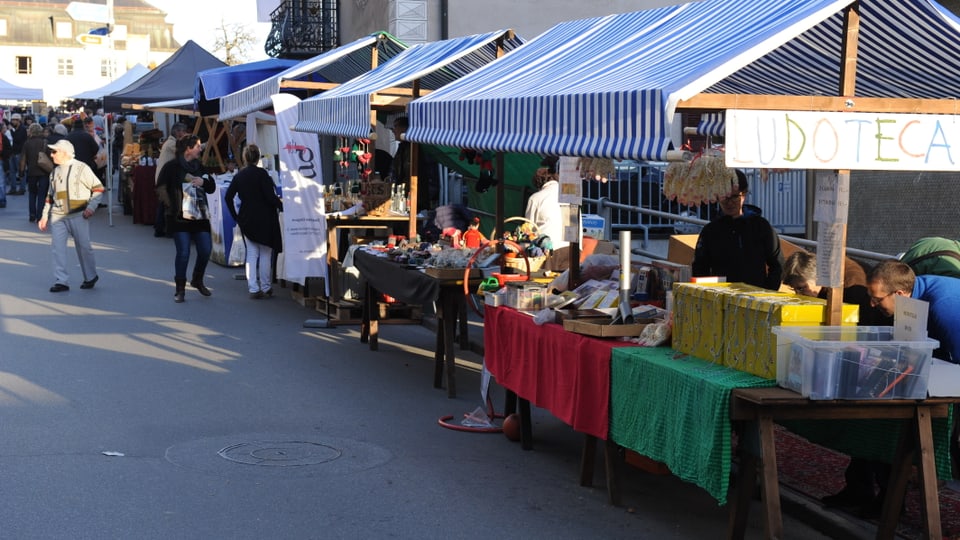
[675, 408]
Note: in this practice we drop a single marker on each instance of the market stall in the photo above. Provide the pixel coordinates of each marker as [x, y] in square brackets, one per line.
[617, 82]
[350, 110]
[301, 165]
[420, 286]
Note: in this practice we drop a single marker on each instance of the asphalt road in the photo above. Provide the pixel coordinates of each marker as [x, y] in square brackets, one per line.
[125, 415]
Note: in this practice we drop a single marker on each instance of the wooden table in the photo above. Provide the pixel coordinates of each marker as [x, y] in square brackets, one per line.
[415, 286]
[760, 407]
[337, 224]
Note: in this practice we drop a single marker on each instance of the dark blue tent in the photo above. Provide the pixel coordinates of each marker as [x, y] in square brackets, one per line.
[171, 80]
[212, 84]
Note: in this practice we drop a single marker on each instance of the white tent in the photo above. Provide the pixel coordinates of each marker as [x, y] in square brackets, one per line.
[13, 92]
[119, 83]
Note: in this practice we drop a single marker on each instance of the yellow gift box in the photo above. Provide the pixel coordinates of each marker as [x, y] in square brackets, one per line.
[749, 342]
[698, 317]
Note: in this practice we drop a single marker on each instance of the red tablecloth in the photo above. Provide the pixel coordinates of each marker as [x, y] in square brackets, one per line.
[144, 194]
[568, 374]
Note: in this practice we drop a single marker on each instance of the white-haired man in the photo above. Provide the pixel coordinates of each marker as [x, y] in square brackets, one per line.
[73, 197]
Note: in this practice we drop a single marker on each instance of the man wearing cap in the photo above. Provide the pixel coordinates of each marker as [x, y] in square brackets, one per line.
[18, 133]
[73, 197]
[740, 246]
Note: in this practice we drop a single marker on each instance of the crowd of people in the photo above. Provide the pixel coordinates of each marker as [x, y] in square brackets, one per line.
[25, 136]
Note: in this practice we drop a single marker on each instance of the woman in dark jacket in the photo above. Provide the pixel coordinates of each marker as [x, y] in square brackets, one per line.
[258, 220]
[185, 175]
[38, 180]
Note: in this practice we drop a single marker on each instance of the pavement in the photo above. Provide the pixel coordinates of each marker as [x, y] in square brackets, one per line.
[126, 415]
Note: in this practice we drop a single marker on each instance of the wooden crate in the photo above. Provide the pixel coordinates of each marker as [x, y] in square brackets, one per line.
[350, 312]
[297, 293]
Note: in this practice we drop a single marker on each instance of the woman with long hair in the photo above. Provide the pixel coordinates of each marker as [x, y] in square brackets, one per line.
[182, 187]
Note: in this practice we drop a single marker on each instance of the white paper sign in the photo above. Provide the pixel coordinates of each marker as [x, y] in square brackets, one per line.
[571, 186]
[842, 140]
[909, 318]
[829, 255]
[832, 202]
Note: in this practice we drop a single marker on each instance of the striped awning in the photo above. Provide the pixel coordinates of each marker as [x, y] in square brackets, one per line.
[345, 110]
[609, 86]
[337, 65]
[712, 124]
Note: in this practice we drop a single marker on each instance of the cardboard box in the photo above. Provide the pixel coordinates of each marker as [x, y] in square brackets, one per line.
[601, 327]
[749, 317]
[698, 317]
[944, 379]
[680, 248]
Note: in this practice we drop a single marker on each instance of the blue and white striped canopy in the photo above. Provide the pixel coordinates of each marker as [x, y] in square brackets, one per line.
[609, 86]
[336, 65]
[345, 110]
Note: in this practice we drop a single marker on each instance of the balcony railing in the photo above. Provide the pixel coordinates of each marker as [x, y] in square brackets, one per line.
[303, 28]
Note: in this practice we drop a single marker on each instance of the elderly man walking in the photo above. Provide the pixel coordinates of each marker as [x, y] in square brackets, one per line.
[73, 197]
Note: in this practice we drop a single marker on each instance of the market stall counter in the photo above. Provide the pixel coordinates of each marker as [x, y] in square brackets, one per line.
[415, 286]
[682, 411]
[565, 373]
[759, 408]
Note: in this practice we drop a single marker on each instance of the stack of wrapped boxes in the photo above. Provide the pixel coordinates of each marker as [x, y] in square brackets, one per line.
[731, 323]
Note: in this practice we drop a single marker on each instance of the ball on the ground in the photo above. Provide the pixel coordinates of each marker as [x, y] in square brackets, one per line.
[511, 427]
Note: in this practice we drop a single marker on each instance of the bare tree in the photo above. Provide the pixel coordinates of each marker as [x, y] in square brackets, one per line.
[235, 41]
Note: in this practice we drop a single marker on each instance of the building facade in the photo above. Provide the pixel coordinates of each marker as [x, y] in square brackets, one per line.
[42, 46]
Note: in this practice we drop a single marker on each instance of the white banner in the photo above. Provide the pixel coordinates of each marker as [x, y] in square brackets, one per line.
[842, 140]
[304, 215]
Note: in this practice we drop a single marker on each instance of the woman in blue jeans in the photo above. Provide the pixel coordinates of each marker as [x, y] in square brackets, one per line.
[182, 187]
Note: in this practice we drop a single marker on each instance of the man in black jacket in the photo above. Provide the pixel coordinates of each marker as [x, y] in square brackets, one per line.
[84, 145]
[740, 246]
[19, 134]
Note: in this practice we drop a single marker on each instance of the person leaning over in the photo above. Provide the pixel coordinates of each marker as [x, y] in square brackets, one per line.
[73, 197]
[890, 279]
[180, 178]
[742, 247]
[258, 220]
[866, 479]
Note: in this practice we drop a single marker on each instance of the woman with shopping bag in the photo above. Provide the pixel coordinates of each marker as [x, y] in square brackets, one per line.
[182, 187]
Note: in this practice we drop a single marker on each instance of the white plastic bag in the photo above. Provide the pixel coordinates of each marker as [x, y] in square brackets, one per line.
[238, 250]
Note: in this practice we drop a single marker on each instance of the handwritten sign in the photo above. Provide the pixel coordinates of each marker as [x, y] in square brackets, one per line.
[838, 140]
[829, 255]
[832, 204]
[909, 319]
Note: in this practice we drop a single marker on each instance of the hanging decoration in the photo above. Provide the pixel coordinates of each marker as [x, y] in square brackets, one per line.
[484, 159]
[705, 179]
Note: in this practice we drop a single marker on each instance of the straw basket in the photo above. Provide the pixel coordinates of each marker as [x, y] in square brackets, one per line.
[520, 262]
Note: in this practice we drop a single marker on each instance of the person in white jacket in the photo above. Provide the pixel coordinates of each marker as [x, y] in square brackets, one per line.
[74, 196]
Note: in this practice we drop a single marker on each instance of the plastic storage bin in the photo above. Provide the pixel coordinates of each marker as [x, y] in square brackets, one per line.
[852, 362]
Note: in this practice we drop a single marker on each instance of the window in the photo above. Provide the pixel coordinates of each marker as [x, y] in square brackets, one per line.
[106, 68]
[24, 65]
[64, 66]
[65, 30]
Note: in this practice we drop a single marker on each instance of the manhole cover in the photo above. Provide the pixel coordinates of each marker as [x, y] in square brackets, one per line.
[277, 455]
[280, 453]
